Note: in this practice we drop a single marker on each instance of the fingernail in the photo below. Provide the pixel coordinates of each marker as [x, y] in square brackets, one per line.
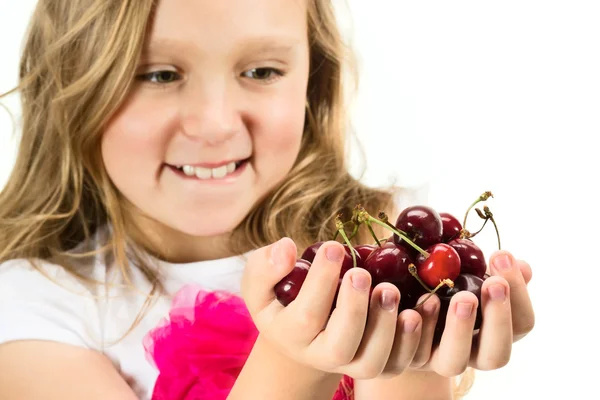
[497, 292]
[334, 253]
[388, 300]
[410, 326]
[464, 310]
[277, 256]
[360, 281]
[503, 262]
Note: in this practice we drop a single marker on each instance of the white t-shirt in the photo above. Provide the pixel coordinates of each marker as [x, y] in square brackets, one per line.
[62, 308]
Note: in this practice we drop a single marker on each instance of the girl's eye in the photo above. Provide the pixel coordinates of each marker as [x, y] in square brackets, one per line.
[263, 74]
[160, 77]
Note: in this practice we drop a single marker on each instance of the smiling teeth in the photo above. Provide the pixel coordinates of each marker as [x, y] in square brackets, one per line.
[209, 173]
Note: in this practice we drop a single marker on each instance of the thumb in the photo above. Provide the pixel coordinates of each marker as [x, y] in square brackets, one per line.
[264, 269]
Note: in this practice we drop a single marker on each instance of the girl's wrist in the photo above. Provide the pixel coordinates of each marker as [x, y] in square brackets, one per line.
[270, 374]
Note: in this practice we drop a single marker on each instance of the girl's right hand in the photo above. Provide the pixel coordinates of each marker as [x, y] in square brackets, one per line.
[360, 339]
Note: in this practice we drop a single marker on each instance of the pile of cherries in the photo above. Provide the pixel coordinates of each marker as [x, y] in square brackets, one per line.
[429, 252]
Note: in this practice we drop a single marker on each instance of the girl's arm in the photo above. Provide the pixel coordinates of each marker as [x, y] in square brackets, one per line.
[268, 374]
[54, 371]
[410, 385]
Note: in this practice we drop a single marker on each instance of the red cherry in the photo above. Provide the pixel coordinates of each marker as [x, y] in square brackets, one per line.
[422, 224]
[472, 260]
[451, 227]
[443, 263]
[364, 250]
[287, 289]
[389, 263]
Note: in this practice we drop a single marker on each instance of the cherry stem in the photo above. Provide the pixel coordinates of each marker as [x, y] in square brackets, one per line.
[354, 232]
[483, 197]
[413, 271]
[384, 218]
[490, 216]
[447, 282]
[373, 232]
[474, 234]
[340, 227]
[364, 215]
[345, 223]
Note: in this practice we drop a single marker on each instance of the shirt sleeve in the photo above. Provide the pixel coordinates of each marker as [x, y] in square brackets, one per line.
[50, 305]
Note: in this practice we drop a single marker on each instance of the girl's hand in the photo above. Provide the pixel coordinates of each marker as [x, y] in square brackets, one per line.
[357, 340]
[507, 317]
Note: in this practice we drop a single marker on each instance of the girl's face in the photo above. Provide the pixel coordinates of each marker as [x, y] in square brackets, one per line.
[215, 118]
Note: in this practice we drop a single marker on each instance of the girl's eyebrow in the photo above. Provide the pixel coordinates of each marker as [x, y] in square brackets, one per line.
[255, 45]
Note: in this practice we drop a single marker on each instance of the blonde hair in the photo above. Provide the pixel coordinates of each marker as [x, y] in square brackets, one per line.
[75, 72]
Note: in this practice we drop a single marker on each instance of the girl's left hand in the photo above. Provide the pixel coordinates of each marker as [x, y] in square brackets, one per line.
[507, 317]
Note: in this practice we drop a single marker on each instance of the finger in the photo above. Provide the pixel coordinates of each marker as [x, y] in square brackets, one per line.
[312, 306]
[378, 339]
[406, 342]
[525, 270]
[264, 269]
[452, 356]
[344, 331]
[493, 344]
[523, 317]
[430, 312]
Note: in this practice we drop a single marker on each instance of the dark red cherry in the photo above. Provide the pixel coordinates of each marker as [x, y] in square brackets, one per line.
[443, 263]
[472, 260]
[467, 282]
[287, 289]
[311, 251]
[389, 263]
[365, 250]
[451, 227]
[422, 224]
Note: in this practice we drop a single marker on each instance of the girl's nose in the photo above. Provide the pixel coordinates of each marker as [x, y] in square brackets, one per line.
[209, 113]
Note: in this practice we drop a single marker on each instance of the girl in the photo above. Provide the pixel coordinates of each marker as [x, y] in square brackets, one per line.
[175, 142]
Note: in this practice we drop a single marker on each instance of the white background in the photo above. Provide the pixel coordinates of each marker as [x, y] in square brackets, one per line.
[461, 97]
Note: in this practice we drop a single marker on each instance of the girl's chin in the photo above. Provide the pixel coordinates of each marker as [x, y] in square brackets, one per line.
[208, 226]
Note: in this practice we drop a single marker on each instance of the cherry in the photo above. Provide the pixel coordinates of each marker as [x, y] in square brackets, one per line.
[452, 262]
[364, 251]
[422, 225]
[311, 251]
[464, 281]
[472, 260]
[443, 263]
[389, 263]
[287, 289]
[451, 227]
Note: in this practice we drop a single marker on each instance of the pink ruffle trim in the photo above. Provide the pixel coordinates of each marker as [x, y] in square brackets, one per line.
[200, 349]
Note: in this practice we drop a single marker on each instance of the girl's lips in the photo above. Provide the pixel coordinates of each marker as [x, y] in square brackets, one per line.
[220, 175]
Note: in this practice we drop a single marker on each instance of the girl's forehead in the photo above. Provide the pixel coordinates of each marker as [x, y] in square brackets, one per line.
[207, 23]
